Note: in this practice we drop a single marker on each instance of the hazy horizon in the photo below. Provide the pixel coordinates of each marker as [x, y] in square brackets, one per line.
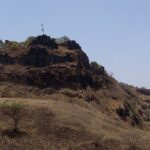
[114, 33]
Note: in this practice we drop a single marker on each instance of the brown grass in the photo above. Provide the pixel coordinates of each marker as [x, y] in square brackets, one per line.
[57, 124]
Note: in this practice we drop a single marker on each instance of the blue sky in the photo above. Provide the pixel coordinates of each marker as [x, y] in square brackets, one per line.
[115, 33]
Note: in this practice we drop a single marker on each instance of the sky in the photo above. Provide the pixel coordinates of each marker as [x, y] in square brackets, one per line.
[115, 33]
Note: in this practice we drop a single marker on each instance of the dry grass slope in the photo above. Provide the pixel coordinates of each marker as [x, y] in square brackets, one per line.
[66, 125]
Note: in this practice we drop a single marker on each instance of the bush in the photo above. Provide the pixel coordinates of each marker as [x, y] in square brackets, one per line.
[14, 111]
[95, 65]
[12, 45]
[62, 40]
[124, 113]
[96, 68]
[29, 41]
[132, 112]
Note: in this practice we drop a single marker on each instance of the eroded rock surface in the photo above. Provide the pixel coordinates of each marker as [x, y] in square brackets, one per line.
[45, 63]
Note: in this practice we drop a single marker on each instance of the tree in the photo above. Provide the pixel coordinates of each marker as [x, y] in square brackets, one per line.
[15, 111]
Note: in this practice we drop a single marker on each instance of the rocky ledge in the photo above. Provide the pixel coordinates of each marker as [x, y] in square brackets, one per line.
[47, 62]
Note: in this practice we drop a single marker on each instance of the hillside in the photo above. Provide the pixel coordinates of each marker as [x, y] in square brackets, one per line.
[73, 104]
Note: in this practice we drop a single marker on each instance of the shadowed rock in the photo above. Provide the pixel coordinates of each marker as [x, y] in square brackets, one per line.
[41, 65]
[45, 40]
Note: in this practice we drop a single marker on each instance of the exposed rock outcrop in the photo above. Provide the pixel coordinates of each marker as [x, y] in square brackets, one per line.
[45, 40]
[44, 63]
[6, 59]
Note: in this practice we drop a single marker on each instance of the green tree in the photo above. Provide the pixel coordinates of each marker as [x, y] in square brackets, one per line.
[15, 111]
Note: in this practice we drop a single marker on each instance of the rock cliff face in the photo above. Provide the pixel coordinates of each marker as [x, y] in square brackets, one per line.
[45, 63]
[6, 59]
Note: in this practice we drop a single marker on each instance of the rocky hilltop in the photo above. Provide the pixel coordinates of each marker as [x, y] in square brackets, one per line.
[42, 65]
[71, 103]
[46, 62]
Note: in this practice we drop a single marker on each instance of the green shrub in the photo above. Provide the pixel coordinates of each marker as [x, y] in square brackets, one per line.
[14, 45]
[95, 65]
[130, 111]
[15, 111]
[28, 41]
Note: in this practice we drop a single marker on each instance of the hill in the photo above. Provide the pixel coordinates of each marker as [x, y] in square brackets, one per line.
[71, 102]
